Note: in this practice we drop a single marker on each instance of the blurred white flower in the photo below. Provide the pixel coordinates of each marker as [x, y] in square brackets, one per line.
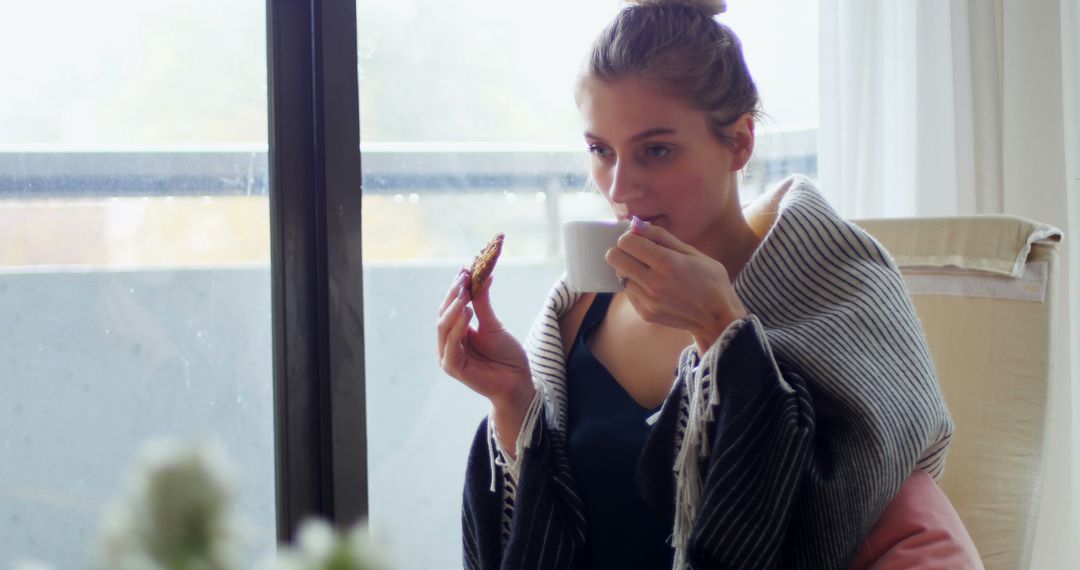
[176, 515]
[30, 565]
[320, 547]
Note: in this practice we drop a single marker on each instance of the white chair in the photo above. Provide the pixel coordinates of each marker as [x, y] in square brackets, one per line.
[983, 288]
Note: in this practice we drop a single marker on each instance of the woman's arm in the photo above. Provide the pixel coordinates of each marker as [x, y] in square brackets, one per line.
[522, 510]
[509, 415]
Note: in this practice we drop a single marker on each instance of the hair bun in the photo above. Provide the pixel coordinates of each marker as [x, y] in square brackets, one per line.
[710, 7]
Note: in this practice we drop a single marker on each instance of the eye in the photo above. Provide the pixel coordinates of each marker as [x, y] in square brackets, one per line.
[657, 151]
[599, 151]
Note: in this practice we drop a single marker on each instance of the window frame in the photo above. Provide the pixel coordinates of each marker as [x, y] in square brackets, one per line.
[320, 420]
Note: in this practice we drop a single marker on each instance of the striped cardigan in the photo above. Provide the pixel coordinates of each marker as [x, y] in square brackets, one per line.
[778, 447]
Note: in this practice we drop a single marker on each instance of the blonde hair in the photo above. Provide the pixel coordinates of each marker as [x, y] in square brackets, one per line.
[679, 47]
[710, 7]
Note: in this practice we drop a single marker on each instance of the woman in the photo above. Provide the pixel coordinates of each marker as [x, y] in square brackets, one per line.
[802, 397]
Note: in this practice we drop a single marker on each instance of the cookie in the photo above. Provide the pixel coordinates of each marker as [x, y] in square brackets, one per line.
[484, 264]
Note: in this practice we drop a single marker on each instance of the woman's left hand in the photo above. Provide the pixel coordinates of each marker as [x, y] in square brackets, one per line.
[673, 284]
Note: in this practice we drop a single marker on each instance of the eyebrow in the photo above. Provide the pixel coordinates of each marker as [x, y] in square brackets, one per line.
[642, 135]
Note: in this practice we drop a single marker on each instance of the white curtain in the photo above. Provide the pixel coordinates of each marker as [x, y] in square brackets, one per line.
[937, 108]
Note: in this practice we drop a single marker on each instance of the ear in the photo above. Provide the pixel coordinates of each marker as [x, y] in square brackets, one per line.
[742, 146]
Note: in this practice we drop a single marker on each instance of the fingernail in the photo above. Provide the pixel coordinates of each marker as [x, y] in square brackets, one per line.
[638, 225]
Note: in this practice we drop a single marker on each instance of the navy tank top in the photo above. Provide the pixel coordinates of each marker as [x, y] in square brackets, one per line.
[605, 435]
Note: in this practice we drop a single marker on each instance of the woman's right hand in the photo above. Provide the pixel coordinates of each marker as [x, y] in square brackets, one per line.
[487, 359]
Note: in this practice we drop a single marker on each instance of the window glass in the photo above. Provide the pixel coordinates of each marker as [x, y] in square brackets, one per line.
[468, 128]
[134, 258]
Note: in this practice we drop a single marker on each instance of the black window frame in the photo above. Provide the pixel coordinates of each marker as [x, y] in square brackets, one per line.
[316, 263]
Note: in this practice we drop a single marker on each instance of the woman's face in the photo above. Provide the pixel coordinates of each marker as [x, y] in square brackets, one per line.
[655, 157]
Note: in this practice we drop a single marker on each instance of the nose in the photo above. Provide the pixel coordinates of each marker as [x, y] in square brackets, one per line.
[625, 182]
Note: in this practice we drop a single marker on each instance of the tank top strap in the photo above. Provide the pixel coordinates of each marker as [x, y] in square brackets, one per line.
[597, 310]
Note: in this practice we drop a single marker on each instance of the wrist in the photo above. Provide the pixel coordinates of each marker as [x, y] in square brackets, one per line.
[518, 397]
[508, 414]
[714, 327]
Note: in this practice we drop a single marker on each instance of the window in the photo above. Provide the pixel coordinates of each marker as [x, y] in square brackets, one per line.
[134, 265]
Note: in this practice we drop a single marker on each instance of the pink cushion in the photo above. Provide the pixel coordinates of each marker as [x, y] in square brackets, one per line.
[918, 529]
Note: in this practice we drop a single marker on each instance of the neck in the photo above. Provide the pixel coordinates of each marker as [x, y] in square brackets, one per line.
[731, 242]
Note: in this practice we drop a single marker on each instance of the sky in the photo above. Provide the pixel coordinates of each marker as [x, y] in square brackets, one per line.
[168, 73]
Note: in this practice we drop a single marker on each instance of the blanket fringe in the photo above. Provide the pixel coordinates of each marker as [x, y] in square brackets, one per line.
[703, 396]
[497, 455]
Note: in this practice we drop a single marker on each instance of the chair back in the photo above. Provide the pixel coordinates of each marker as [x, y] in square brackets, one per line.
[983, 288]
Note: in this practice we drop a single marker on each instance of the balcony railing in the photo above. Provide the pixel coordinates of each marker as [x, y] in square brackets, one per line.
[389, 168]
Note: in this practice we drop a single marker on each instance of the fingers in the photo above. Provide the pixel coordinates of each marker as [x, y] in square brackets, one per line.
[657, 235]
[455, 289]
[656, 248]
[453, 356]
[485, 314]
[627, 265]
[644, 250]
[448, 320]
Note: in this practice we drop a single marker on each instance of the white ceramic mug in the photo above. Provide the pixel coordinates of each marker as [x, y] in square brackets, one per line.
[584, 245]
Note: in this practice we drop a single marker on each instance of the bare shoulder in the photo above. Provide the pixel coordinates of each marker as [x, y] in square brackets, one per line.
[761, 213]
[570, 322]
